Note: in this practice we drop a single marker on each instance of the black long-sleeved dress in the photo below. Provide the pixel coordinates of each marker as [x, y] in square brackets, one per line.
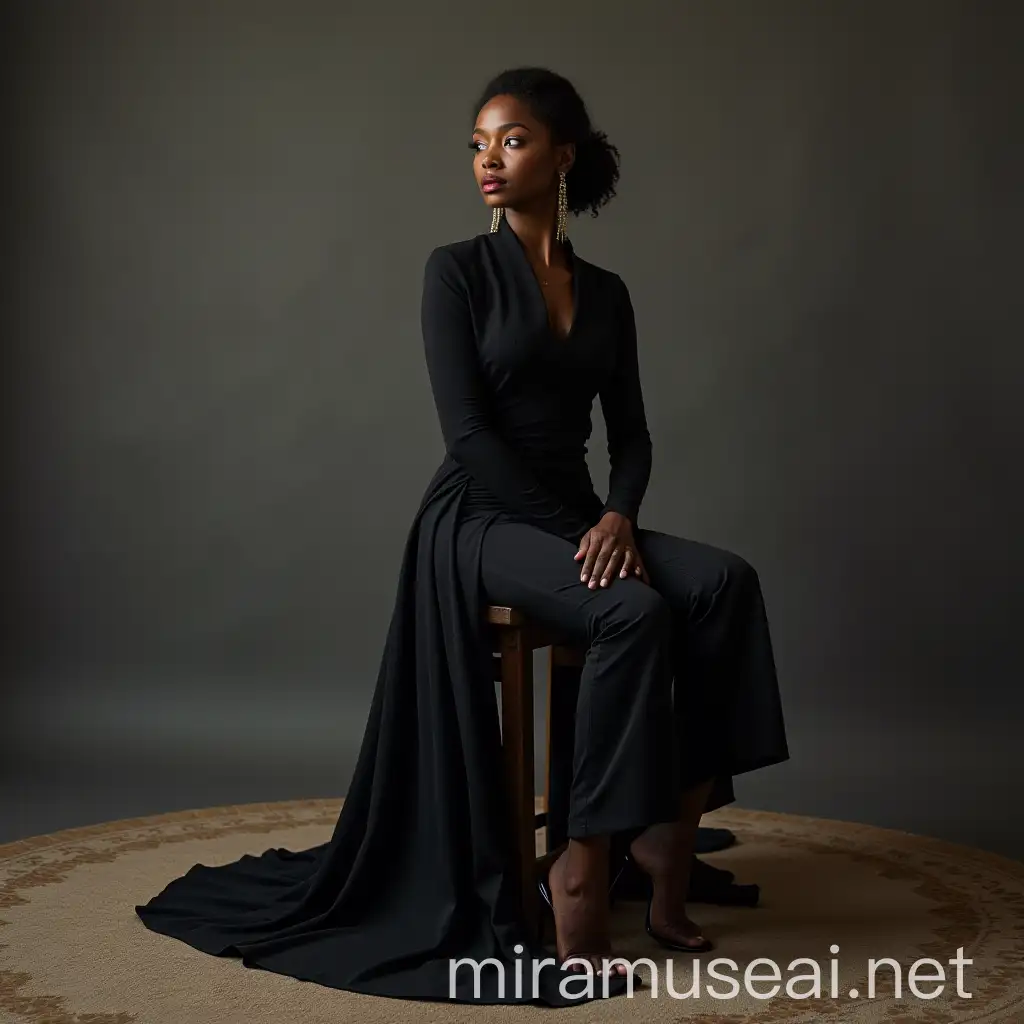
[415, 872]
[515, 401]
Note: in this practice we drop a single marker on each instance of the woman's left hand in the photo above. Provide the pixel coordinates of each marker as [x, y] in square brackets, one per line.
[608, 549]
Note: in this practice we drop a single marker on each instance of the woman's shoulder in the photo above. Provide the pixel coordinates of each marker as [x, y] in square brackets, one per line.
[609, 282]
[456, 256]
[603, 275]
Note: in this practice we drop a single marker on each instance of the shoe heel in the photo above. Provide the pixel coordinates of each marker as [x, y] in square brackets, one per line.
[547, 909]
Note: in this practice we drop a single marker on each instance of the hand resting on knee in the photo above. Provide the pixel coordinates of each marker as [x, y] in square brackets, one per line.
[609, 549]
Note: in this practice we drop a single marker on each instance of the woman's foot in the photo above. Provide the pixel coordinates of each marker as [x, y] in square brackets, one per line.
[664, 852]
[579, 900]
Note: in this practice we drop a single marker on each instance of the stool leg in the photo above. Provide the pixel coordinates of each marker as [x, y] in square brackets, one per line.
[564, 670]
[517, 750]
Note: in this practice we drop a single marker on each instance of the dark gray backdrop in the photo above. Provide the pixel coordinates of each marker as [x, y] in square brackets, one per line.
[222, 423]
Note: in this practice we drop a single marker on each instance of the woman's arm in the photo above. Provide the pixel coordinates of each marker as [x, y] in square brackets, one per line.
[622, 404]
[461, 401]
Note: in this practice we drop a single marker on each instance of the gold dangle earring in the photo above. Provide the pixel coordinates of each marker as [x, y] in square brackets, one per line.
[496, 214]
[563, 208]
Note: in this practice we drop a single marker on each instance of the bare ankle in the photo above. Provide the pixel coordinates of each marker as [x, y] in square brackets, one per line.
[584, 867]
[576, 878]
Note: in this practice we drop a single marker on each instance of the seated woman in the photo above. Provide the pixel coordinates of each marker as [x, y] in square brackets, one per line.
[679, 687]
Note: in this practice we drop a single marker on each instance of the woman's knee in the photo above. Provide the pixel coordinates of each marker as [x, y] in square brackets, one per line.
[639, 606]
[732, 578]
[741, 572]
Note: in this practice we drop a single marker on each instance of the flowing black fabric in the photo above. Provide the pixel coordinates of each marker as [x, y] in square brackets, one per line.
[416, 873]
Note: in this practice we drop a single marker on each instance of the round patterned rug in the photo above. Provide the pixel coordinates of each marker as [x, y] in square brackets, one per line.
[72, 950]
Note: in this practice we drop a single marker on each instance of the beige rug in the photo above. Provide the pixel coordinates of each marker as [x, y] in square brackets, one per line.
[73, 951]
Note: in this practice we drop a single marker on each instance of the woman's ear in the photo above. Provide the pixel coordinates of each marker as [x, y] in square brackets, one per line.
[566, 157]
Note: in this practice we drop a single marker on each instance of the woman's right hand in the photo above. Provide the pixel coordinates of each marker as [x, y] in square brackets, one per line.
[609, 549]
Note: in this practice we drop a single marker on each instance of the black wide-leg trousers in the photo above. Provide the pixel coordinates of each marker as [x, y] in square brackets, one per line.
[679, 684]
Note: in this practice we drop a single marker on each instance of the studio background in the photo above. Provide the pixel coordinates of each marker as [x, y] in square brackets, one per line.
[220, 425]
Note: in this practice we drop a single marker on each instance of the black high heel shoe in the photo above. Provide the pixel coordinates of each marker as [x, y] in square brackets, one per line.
[704, 946]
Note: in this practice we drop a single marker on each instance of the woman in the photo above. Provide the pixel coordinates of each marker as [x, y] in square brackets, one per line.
[678, 691]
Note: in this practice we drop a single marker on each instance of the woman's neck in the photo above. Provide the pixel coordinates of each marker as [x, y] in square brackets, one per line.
[536, 231]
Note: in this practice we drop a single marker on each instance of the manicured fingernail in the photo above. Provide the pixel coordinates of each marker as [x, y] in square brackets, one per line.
[583, 577]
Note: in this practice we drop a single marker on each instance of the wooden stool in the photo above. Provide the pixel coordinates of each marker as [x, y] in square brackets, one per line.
[515, 641]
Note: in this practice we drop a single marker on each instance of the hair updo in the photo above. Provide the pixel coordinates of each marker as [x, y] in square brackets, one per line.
[554, 100]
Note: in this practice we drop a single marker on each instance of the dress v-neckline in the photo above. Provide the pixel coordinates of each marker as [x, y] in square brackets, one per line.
[508, 235]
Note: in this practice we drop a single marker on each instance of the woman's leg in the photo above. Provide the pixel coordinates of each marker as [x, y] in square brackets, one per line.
[665, 852]
[624, 759]
[726, 698]
[726, 702]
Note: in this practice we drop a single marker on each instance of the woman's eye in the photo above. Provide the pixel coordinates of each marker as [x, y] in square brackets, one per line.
[476, 143]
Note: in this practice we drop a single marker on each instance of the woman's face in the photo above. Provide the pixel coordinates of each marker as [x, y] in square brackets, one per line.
[512, 146]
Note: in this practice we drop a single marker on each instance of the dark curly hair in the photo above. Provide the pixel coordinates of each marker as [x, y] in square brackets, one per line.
[554, 100]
